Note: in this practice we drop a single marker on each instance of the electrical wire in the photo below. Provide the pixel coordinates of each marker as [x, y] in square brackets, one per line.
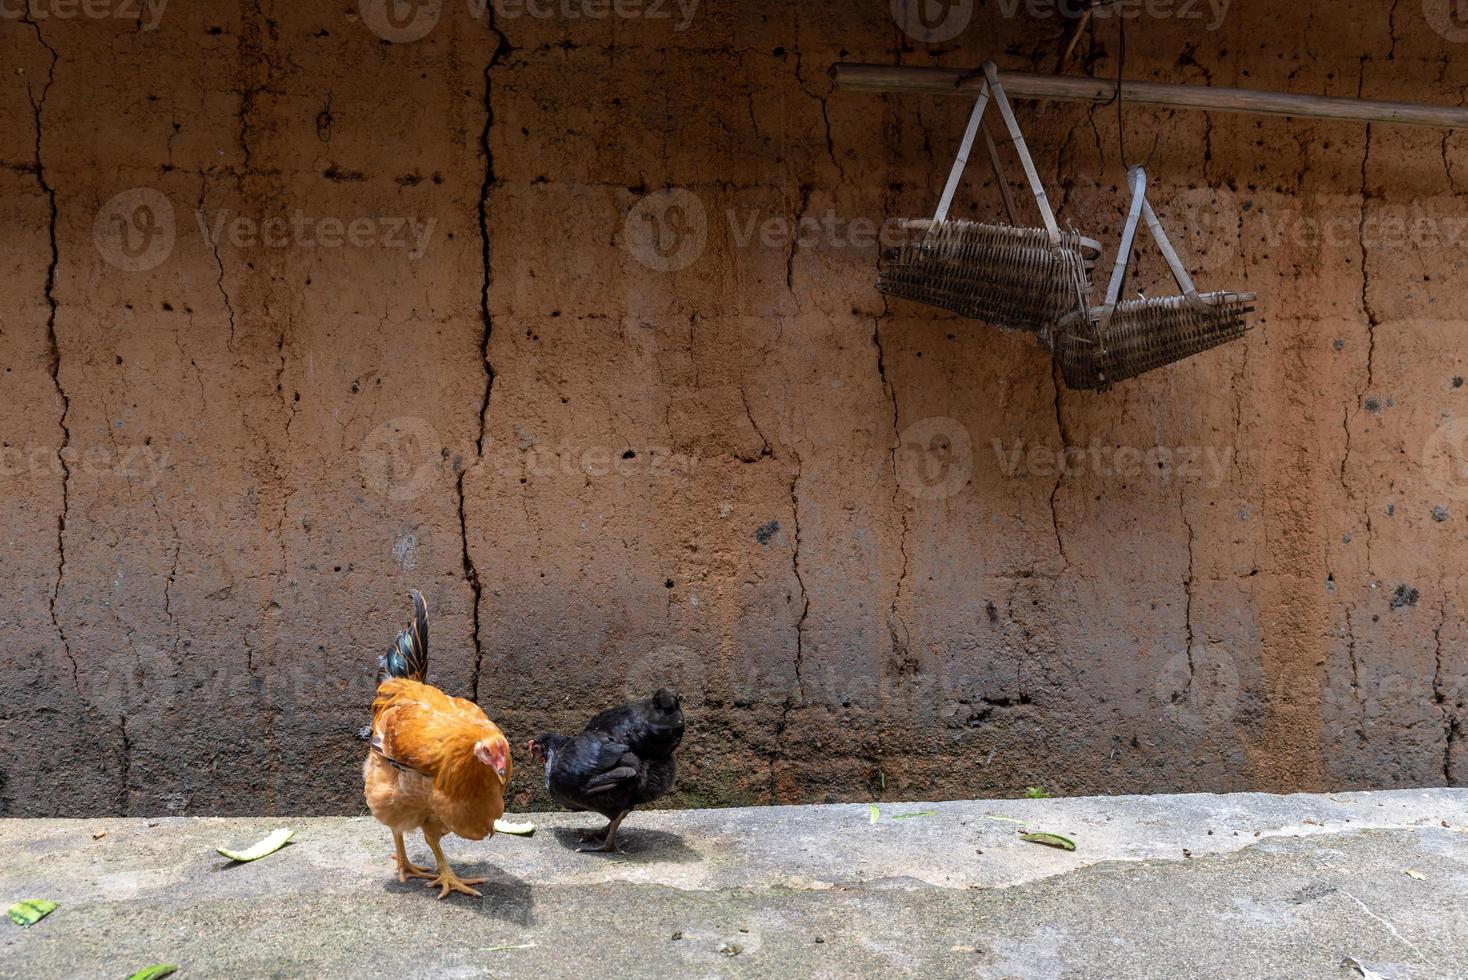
[1120, 122]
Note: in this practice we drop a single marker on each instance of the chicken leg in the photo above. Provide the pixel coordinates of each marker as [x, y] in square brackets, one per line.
[445, 878]
[607, 837]
[406, 868]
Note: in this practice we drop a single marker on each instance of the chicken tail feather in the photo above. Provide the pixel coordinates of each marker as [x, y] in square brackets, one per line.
[408, 656]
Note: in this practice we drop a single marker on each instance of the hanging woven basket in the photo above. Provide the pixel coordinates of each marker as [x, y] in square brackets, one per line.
[1120, 340]
[1014, 276]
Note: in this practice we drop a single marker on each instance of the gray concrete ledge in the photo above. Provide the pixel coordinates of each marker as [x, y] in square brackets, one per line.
[1243, 885]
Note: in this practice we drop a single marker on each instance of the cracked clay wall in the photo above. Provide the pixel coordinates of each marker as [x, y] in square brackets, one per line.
[568, 320]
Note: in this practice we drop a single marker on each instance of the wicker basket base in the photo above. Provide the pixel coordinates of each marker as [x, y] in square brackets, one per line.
[1010, 277]
[1146, 334]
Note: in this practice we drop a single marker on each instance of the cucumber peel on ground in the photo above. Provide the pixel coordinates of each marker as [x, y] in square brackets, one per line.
[255, 852]
[1050, 840]
[31, 911]
[154, 972]
[525, 829]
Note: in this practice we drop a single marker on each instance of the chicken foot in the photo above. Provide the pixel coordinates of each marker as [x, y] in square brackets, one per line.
[445, 877]
[606, 837]
[406, 868]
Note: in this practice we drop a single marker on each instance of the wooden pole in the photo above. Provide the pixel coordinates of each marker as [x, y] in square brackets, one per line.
[1072, 88]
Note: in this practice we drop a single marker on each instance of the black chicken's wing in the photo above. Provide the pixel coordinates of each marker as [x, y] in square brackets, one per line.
[593, 772]
[652, 729]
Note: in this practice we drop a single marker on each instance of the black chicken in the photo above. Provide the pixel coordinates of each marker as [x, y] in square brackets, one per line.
[622, 758]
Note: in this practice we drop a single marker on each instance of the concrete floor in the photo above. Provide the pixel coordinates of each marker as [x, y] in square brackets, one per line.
[1167, 886]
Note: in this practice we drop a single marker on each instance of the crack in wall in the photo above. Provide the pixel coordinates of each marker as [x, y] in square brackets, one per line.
[765, 450]
[900, 643]
[1391, 27]
[825, 115]
[1439, 691]
[1188, 585]
[799, 577]
[805, 191]
[471, 570]
[1372, 320]
[38, 105]
[1443, 149]
[218, 263]
[251, 51]
[1355, 676]
[785, 709]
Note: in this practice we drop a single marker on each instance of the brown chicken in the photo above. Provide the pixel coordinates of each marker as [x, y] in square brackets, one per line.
[437, 763]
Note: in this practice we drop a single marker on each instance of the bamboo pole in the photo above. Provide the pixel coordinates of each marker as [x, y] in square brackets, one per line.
[1072, 88]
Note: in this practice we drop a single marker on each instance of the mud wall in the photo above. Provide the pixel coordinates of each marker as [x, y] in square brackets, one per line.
[564, 314]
